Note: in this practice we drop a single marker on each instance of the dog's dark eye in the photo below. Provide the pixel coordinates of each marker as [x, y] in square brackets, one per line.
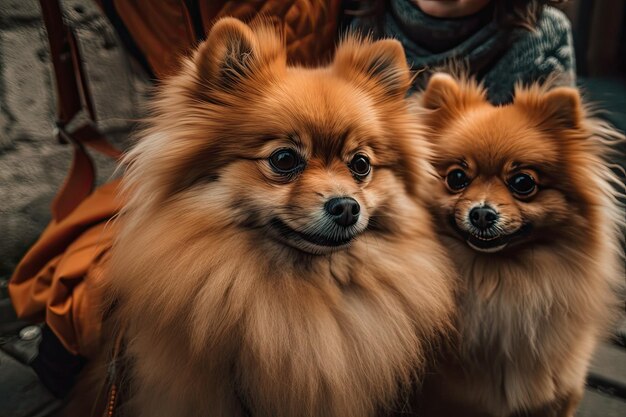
[457, 179]
[360, 165]
[285, 161]
[522, 184]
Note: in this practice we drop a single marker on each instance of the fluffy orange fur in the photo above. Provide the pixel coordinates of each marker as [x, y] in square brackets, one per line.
[225, 315]
[539, 278]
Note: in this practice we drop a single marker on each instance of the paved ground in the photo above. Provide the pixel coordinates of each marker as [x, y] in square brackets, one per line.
[32, 166]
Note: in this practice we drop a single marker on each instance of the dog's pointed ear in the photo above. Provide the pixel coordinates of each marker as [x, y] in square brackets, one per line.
[449, 96]
[234, 51]
[560, 108]
[442, 91]
[382, 61]
[564, 107]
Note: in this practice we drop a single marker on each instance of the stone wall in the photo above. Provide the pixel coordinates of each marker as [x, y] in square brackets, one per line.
[32, 163]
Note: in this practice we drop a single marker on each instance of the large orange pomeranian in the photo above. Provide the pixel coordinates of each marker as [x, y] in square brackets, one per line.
[275, 256]
[527, 210]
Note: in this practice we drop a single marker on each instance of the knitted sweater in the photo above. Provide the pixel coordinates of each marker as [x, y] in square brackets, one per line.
[496, 56]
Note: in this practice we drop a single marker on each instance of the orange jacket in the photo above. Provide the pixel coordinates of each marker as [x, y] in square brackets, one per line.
[166, 29]
[57, 281]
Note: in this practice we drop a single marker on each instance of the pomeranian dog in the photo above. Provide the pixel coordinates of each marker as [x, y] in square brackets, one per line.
[275, 256]
[527, 210]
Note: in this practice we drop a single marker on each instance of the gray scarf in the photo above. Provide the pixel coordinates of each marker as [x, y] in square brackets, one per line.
[497, 56]
[475, 41]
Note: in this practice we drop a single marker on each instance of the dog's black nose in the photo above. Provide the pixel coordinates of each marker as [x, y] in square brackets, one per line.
[483, 217]
[343, 210]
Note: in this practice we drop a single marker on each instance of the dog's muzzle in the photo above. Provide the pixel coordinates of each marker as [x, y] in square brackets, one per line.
[482, 231]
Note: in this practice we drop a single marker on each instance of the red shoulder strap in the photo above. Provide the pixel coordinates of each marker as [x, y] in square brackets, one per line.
[73, 100]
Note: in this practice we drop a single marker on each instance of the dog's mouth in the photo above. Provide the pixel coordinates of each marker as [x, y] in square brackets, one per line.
[493, 243]
[312, 242]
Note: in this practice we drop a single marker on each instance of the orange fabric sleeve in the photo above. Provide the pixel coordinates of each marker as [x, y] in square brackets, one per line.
[58, 279]
[164, 30]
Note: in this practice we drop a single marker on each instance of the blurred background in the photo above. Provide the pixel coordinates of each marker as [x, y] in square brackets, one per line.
[33, 164]
[600, 43]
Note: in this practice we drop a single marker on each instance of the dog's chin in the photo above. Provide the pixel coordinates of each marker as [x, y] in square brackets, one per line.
[495, 243]
[315, 244]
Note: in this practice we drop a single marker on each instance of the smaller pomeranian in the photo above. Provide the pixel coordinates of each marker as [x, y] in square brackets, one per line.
[527, 209]
[276, 257]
